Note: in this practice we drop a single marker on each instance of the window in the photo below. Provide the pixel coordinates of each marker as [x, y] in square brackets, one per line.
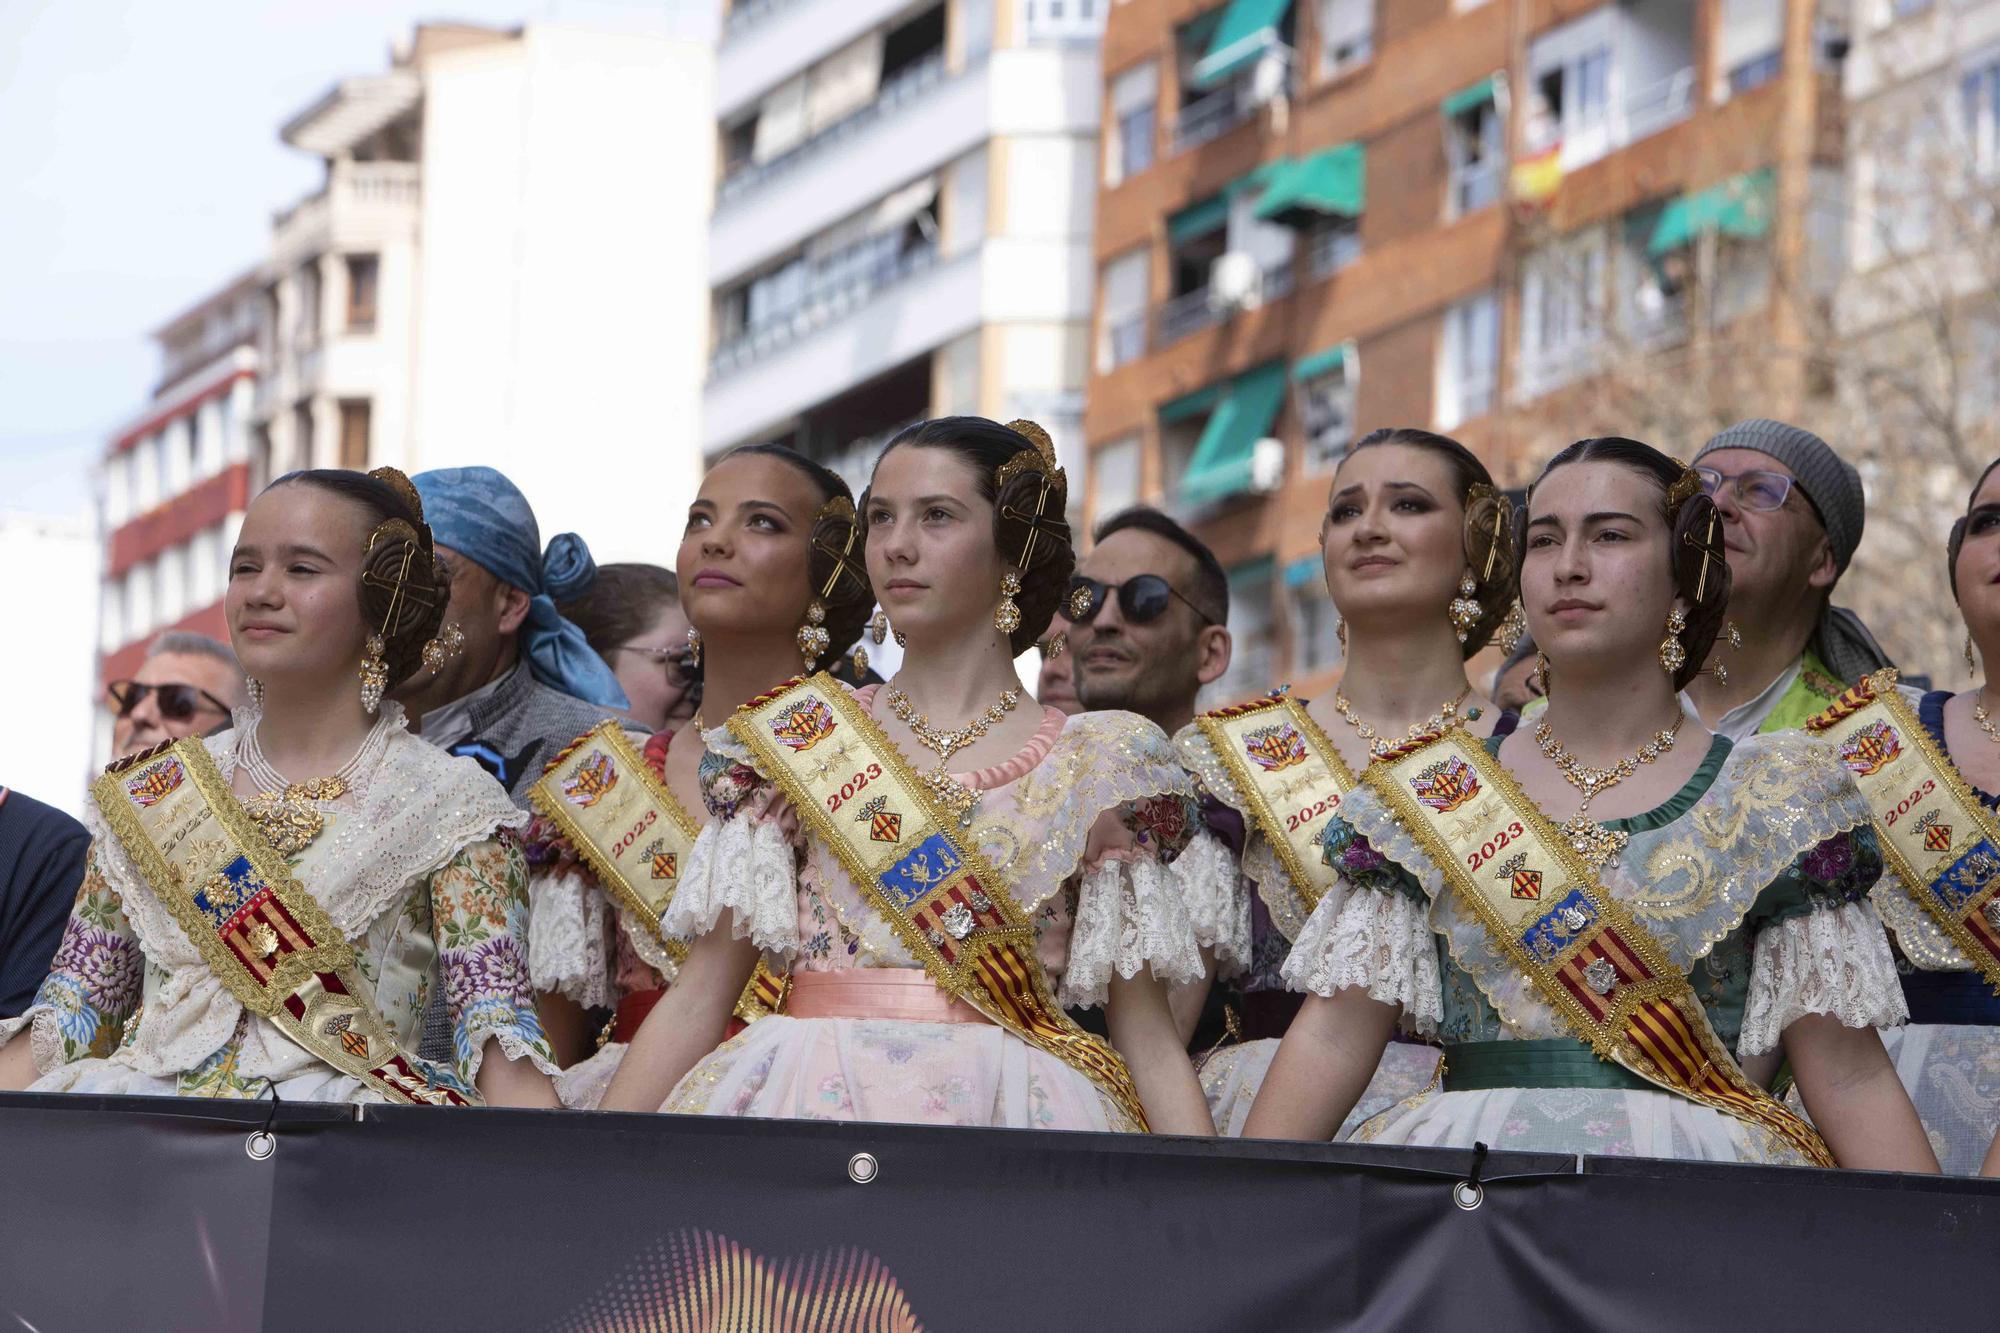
[362, 271]
[1253, 667]
[146, 474]
[1468, 360]
[1326, 386]
[1315, 621]
[1475, 151]
[1333, 243]
[1135, 97]
[1903, 9]
[354, 413]
[1979, 92]
[305, 326]
[302, 434]
[210, 448]
[139, 620]
[117, 490]
[1562, 310]
[1570, 88]
[1114, 477]
[1750, 42]
[1347, 34]
[204, 573]
[111, 616]
[1122, 334]
[170, 584]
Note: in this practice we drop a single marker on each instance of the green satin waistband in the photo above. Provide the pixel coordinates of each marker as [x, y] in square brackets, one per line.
[1477, 1065]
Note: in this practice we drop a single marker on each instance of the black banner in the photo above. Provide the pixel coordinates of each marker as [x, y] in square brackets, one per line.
[156, 1214]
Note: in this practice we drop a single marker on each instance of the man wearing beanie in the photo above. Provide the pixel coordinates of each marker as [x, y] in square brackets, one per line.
[526, 682]
[1792, 515]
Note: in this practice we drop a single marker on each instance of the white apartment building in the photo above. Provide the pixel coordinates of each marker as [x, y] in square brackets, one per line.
[902, 221]
[504, 265]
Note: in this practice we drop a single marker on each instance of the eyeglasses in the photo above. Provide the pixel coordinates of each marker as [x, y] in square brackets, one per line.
[678, 663]
[1755, 489]
[1141, 598]
[177, 702]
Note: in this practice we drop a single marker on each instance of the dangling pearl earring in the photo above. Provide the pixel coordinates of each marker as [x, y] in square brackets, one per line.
[694, 644]
[1971, 666]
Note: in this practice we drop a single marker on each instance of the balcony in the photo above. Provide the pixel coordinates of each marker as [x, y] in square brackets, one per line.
[360, 204]
[1204, 307]
[907, 87]
[858, 285]
[765, 42]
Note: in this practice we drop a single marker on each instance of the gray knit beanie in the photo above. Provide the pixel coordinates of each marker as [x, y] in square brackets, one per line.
[1833, 488]
[1828, 482]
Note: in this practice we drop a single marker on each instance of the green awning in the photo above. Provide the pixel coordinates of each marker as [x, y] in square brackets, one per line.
[1334, 181]
[1220, 466]
[1193, 404]
[1248, 29]
[1307, 569]
[1211, 214]
[1468, 99]
[1740, 206]
[1320, 363]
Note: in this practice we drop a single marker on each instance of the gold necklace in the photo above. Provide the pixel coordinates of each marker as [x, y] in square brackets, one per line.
[954, 795]
[1598, 845]
[1985, 721]
[1431, 725]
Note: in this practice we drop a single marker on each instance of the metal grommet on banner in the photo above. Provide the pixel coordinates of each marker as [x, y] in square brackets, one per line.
[862, 1168]
[260, 1145]
[1468, 1194]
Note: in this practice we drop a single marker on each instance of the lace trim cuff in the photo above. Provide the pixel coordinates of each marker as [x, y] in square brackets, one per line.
[519, 1035]
[1376, 941]
[1835, 961]
[1129, 916]
[745, 866]
[1218, 904]
[569, 938]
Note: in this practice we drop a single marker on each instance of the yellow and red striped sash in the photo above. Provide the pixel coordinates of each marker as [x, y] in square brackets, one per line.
[1589, 958]
[635, 835]
[863, 799]
[1942, 844]
[265, 938]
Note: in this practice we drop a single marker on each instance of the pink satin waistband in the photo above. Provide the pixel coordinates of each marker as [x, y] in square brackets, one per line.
[903, 993]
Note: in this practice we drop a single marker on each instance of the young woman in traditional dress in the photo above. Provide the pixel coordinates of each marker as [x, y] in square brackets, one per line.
[942, 868]
[1934, 809]
[262, 908]
[1420, 566]
[772, 584]
[1597, 980]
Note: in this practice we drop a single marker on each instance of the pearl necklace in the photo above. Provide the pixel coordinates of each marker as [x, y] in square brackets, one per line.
[954, 795]
[1432, 725]
[284, 810]
[1597, 845]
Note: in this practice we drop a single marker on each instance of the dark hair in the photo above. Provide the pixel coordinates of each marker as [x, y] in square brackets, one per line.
[406, 607]
[1956, 541]
[1211, 584]
[1694, 536]
[621, 604]
[1489, 524]
[1028, 509]
[850, 598]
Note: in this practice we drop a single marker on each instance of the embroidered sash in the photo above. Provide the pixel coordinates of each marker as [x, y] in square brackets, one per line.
[1589, 958]
[864, 800]
[266, 939]
[635, 835]
[1291, 777]
[1942, 843]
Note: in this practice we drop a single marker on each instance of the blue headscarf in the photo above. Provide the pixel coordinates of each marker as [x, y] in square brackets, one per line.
[483, 516]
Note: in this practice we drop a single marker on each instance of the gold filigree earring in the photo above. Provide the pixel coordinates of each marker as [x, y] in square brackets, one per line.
[1465, 608]
[449, 643]
[860, 659]
[1007, 616]
[1512, 629]
[1672, 656]
[878, 626]
[1540, 675]
[1971, 666]
[812, 637]
[1340, 632]
[694, 645]
[374, 674]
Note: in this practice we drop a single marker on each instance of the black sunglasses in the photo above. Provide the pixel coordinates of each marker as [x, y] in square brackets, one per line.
[1141, 598]
[177, 703]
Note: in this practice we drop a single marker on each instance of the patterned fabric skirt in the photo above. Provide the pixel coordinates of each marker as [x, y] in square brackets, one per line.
[1952, 1073]
[1231, 1077]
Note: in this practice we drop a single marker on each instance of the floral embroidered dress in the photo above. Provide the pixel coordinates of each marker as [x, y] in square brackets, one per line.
[1754, 878]
[1232, 1075]
[418, 867]
[1949, 1055]
[1080, 826]
[583, 945]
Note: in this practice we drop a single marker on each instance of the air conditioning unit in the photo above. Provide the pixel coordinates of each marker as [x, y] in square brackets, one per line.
[1267, 465]
[1269, 77]
[1236, 282]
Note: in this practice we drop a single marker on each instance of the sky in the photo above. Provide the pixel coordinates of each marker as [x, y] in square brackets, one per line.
[140, 154]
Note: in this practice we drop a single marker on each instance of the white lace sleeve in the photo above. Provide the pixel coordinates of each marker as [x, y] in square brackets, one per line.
[1376, 941]
[1129, 915]
[744, 865]
[1833, 961]
[1217, 900]
[570, 946]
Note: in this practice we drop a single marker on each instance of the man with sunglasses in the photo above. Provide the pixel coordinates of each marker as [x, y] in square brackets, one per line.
[186, 687]
[1792, 513]
[1148, 612]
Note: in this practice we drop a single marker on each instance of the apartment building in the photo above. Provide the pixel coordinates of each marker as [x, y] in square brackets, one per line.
[1316, 218]
[901, 225]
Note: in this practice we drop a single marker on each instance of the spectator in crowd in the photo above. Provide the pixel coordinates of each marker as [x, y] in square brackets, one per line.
[187, 686]
[1516, 684]
[632, 616]
[41, 865]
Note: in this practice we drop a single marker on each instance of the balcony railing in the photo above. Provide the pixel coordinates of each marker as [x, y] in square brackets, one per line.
[1212, 116]
[823, 306]
[1201, 308]
[1125, 340]
[1654, 108]
[747, 14]
[906, 87]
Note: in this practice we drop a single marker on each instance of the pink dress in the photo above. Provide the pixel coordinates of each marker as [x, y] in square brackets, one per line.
[1081, 827]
